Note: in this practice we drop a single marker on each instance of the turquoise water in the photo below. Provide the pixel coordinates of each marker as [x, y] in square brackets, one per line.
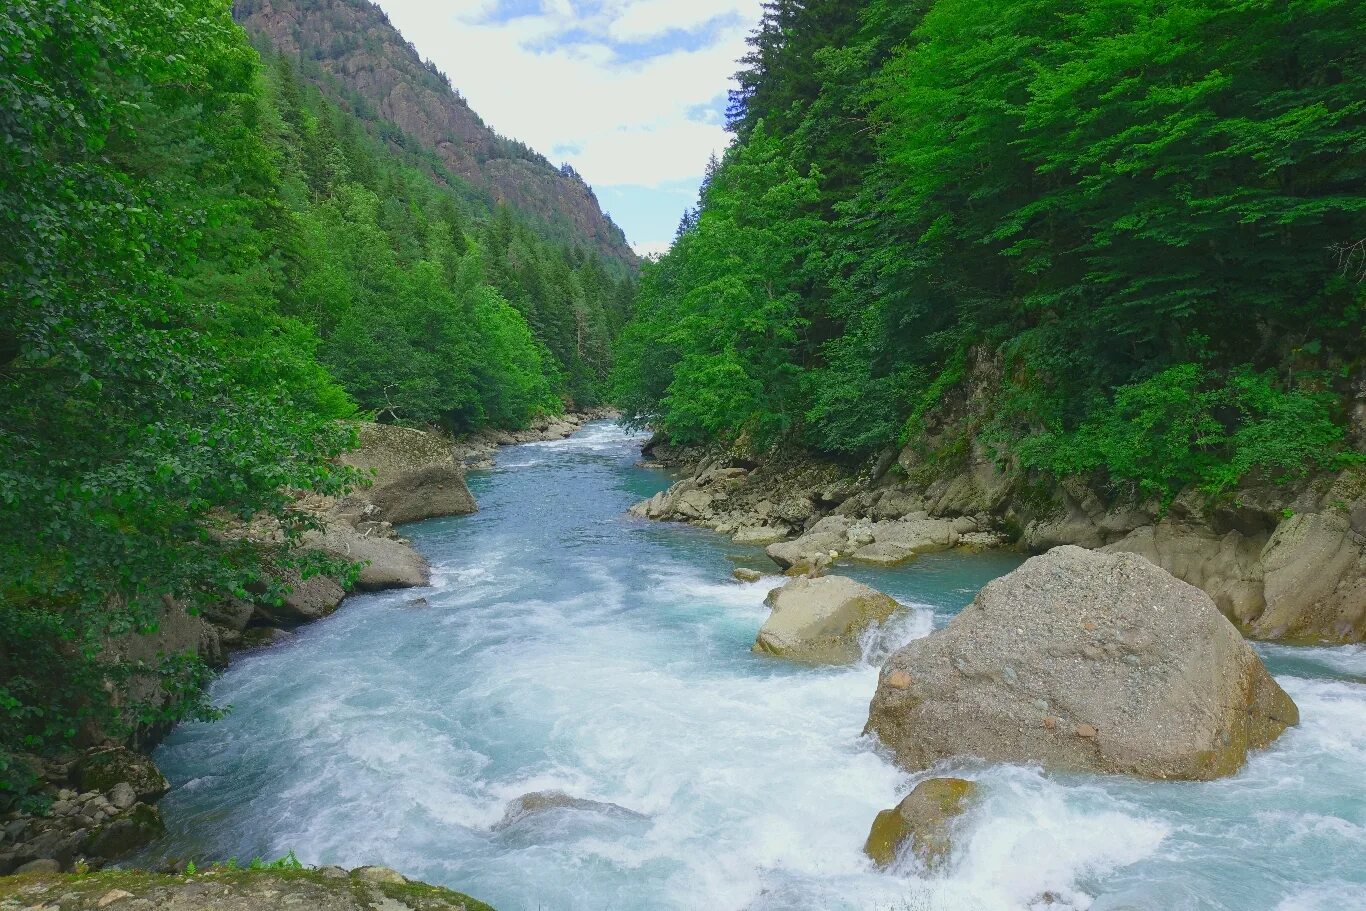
[566, 645]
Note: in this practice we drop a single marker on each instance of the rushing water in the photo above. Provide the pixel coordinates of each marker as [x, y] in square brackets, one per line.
[565, 645]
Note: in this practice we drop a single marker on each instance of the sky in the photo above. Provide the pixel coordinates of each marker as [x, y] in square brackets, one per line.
[631, 93]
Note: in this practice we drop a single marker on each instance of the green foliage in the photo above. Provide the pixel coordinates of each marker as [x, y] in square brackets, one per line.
[1146, 213]
[1186, 426]
[204, 265]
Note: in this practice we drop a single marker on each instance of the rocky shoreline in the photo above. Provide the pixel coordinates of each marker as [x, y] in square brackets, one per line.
[94, 807]
[227, 888]
[1282, 562]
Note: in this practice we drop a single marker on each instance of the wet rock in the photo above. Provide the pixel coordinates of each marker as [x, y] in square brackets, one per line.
[922, 822]
[820, 620]
[1141, 672]
[742, 574]
[538, 802]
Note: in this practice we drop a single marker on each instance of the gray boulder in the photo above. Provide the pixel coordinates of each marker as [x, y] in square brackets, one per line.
[415, 475]
[820, 621]
[1083, 661]
[388, 562]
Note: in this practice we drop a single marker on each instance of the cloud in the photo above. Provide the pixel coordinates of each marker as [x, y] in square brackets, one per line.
[626, 91]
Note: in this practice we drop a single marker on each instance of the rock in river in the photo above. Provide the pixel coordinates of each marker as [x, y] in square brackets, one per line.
[923, 820]
[820, 620]
[1083, 661]
[538, 802]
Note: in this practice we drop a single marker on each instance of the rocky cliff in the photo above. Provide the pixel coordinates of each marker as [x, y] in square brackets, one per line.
[369, 69]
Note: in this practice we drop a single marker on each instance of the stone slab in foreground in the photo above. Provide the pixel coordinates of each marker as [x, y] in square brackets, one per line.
[1083, 661]
[325, 889]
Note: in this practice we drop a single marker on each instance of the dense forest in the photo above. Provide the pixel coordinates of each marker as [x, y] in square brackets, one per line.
[205, 263]
[1144, 221]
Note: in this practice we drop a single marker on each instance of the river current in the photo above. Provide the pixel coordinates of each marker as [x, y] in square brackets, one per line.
[564, 645]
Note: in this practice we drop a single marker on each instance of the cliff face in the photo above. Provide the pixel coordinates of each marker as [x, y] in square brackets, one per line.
[373, 71]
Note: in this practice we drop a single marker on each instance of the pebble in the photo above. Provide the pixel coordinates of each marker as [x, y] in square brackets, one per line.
[1087, 731]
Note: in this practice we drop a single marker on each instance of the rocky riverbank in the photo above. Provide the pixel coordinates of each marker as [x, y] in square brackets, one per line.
[78, 817]
[1282, 562]
[227, 888]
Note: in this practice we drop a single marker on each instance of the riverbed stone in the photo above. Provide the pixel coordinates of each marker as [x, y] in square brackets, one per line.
[820, 620]
[1139, 672]
[922, 821]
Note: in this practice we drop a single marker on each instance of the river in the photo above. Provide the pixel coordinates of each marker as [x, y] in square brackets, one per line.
[565, 645]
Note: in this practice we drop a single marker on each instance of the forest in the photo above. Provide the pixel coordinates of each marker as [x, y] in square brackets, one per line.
[206, 263]
[1145, 219]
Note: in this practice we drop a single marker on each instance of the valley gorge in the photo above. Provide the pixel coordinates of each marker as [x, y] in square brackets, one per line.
[965, 511]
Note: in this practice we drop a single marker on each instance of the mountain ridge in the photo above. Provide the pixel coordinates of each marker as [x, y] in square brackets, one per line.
[365, 57]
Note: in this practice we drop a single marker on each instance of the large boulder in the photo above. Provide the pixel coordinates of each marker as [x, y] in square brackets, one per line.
[1314, 581]
[415, 475]
[386, 562]
[922, 822]
[821, 620]
[307, 600]
[1083, 661]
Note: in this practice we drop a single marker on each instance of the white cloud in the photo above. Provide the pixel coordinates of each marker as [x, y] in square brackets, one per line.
[561, 80]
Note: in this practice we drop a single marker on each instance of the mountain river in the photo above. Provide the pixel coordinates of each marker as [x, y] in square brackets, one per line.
[565, 645]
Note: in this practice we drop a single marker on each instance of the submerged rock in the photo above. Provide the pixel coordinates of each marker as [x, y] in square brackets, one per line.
[820, 620]
[923, 821]
[538, 802]
[1083, 661]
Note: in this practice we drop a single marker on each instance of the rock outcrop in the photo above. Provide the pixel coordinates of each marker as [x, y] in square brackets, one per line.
[414, 476]
[821, 620]
[224, 889]
[1282, 562]
[922, 823]
[1083, 661]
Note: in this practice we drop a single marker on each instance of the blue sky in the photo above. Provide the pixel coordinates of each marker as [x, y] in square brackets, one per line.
[629, 92]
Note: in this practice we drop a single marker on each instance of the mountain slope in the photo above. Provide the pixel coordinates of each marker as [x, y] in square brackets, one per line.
[371, 70]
